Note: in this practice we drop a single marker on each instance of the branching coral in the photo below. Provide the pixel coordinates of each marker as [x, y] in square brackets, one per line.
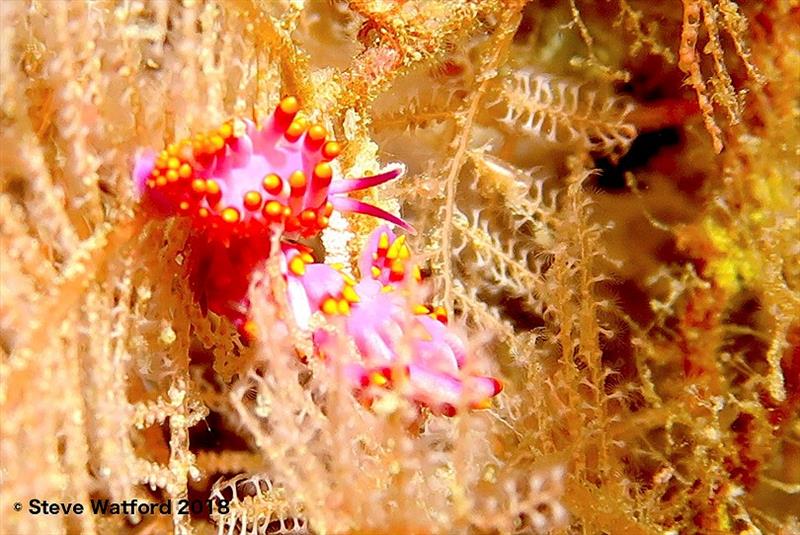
[605, 197]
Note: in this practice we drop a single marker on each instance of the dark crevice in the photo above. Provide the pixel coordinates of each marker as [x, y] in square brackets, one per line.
[611, 176]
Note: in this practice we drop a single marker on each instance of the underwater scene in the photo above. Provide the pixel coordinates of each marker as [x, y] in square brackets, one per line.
[473, 267]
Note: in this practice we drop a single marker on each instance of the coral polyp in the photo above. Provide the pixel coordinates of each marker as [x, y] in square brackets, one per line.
[242, 180]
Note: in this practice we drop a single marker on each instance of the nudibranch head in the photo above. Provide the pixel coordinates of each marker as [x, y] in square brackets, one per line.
[244, 181]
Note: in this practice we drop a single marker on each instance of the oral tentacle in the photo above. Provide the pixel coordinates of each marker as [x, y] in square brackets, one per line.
[347, 204]
[357, 184]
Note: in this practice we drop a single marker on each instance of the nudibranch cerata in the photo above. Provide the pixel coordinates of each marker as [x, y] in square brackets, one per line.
[401, 343]
[241, 180]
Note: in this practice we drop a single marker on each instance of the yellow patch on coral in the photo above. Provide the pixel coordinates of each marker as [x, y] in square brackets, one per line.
[735, 266]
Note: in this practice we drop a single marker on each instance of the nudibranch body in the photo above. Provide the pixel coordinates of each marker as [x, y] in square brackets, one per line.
[398, 342]
[244, 181]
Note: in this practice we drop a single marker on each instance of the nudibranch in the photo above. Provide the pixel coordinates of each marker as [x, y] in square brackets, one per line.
[402, 345]
[240, 185]
[241, 180]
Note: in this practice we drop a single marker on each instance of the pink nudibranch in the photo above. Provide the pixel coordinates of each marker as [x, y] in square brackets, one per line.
[244, 180]
[240, 185]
